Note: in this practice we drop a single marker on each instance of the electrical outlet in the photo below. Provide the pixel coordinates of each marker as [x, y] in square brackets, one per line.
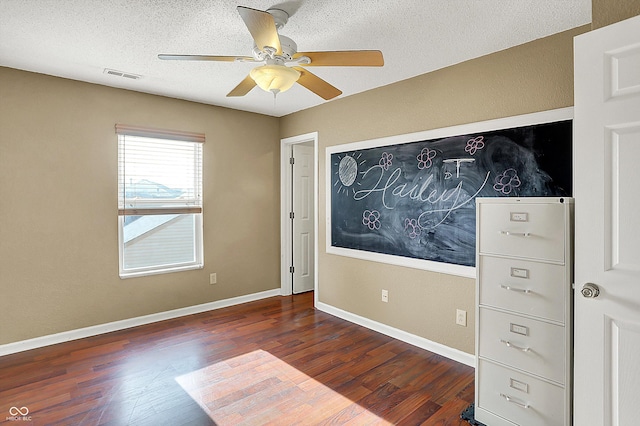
[385, 295]
[461, 317]
[213, 278]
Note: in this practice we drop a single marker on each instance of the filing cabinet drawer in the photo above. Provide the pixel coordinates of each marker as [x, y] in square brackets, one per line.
[517, 397]
[535, 231]
[532, 288]
[527, 344]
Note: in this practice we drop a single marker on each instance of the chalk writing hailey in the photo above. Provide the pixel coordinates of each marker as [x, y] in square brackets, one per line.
[421, 192]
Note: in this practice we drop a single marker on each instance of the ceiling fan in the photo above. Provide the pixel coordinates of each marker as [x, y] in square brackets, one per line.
[284, 65]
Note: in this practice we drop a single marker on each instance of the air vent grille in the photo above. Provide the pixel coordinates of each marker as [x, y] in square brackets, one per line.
[122, 74]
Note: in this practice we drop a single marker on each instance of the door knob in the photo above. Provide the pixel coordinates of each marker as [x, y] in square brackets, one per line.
[590, 290]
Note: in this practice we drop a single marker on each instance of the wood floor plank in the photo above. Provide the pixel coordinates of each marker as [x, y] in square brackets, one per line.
[276, 361]
[448, 414]
[416, 405]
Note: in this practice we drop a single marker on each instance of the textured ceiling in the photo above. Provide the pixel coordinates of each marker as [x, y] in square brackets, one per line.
[78, 39]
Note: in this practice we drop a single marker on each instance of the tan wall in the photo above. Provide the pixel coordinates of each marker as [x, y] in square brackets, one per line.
[533, 77]
[606, 12]
[58, 227]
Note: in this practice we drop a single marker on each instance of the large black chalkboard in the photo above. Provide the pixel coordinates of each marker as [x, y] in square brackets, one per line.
[417, 199]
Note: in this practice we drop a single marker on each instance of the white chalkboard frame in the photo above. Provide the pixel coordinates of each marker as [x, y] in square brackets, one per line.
[549, 116]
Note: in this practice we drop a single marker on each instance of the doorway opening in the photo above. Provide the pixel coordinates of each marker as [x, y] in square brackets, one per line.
[299, 213]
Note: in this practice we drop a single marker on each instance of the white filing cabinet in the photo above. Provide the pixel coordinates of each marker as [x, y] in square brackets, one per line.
[523, 311]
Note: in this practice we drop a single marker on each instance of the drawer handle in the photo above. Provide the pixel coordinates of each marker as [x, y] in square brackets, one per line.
[515, 401]
[518, 290]
[511, 345]
[516, 234]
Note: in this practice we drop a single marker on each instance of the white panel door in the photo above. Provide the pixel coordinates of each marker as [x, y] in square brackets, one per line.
[303, 208]
[607, 207]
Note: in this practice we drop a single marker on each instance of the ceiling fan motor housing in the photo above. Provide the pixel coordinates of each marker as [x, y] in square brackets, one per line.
[288, 46]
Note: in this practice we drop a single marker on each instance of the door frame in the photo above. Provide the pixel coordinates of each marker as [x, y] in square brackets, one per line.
[286, 246]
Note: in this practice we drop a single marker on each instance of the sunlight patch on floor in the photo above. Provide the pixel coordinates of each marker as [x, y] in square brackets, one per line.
[259, 388]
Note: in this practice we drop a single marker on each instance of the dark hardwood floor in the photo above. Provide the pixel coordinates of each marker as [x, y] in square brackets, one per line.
[276, 361]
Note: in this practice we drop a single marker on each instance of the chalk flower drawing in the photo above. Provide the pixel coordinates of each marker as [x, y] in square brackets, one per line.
[507, 181]
[474, 145]
[371, 219]
[425, 157]
[386, 160]
[413, 227]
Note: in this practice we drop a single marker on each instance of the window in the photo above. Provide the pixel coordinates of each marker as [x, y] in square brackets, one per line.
[159, 201]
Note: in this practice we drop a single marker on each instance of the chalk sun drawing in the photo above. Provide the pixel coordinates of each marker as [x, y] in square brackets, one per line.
[371, 219]
[507, 181]
[347, 172]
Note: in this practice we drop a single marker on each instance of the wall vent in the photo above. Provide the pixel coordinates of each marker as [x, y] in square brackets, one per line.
[122, 74]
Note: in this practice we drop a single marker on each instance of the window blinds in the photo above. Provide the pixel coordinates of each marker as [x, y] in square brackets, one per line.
[160, 171]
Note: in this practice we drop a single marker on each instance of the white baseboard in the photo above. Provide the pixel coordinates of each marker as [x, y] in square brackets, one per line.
[80, 333]
[412, 339]
[95, 330]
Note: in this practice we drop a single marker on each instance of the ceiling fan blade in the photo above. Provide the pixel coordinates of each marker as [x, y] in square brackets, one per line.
[262, 27]
[207, 58]
[317, 85]
[243, 88]
[348, 58]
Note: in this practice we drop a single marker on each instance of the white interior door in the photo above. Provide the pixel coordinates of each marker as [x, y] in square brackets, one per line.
[303, 226]
[607, 202]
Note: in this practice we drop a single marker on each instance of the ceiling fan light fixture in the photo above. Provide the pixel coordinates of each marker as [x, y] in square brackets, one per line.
[274, 78]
